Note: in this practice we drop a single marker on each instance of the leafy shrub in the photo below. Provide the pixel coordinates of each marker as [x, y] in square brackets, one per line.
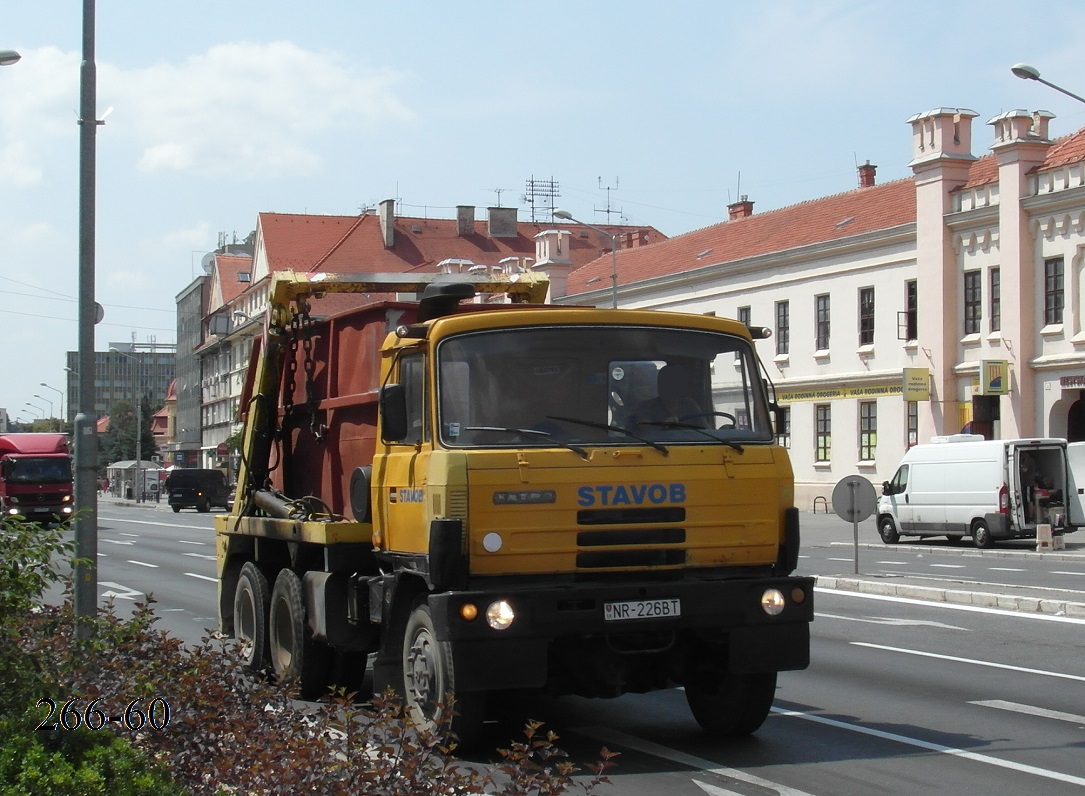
[228, 732]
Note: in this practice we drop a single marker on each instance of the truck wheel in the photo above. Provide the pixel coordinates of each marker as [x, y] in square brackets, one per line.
[737, 705]
[251, 604]
[888, 530]
[428, 678]
[981, 535]
[294, 655]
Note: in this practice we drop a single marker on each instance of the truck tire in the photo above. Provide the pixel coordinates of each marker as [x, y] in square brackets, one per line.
[252, 601]
[294, 654]
[737, 705]
[981, 535]
[429, 677]
[887, 529]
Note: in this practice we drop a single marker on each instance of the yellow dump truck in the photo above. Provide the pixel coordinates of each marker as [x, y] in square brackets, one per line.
[483, 499]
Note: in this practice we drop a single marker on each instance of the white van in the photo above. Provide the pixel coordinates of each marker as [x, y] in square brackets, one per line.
[964, 485]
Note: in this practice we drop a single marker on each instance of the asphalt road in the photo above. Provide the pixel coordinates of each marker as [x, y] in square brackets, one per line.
[903, 695]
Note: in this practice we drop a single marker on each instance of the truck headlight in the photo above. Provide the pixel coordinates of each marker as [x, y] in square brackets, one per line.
[499, 615]
[772, 602]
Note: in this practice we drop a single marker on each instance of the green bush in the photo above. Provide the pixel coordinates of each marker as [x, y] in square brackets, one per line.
[229, 732]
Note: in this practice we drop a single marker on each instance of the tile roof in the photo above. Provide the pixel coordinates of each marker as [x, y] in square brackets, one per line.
[228, 267]
[354, 244]
[817, 221]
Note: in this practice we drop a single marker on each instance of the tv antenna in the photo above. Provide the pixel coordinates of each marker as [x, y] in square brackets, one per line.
[609, 209]
[540, 196]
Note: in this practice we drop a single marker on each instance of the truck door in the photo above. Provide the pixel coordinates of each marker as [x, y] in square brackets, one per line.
[1020, 478]
[399, 478]
[900, 500]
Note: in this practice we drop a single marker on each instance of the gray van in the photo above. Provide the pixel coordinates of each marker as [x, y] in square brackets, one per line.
[198, 489]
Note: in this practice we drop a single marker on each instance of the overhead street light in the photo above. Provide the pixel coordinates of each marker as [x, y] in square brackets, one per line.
[43, 398]
[61, 393]
[36, 408]
[1026, 72]
[9, 57]
[565, 215]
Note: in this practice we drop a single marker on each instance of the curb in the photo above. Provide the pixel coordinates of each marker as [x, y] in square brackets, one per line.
[1053, 607]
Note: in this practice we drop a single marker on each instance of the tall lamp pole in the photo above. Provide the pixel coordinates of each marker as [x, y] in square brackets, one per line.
[137, 487]
[63, 419]
[1026, 72]
[567, 216]
[85, 427]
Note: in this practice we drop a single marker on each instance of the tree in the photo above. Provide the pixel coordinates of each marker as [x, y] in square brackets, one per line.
[119, 442]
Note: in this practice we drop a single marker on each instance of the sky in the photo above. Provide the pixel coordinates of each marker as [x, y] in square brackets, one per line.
[661, 112]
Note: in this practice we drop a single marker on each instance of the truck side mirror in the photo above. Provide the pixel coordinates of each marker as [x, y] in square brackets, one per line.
[778, 424]
[393, 412]
[887, 488]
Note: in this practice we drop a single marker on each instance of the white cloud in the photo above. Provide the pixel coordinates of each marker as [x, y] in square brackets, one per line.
[245, 110]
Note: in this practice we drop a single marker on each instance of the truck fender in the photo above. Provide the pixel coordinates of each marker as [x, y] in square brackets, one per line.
[447, 561]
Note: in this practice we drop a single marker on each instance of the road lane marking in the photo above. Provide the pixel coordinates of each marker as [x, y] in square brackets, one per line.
[1030, 710]
[122, 533]
[974, 662]
[1007, 569]
[976, 609]
[201, 555]
[1075, 574]
[186, 541]
[118, 591]
[143, 564]
[894, 563]
[202, 577]
[949, 566]
[117, 541]
[878, 620]
[839, 559]
[619, 738]
[935, 747]
[159, 524]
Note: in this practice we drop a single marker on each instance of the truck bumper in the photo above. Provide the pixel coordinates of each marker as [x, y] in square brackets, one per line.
[719, 619]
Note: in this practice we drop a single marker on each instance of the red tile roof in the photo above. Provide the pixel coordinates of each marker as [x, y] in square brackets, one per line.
[354, 244]
[832, 218]
[229, 266]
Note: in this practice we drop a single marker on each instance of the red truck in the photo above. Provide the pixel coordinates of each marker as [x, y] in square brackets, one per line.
[36, 477]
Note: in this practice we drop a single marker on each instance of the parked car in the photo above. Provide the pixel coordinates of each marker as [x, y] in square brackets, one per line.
[200, 489]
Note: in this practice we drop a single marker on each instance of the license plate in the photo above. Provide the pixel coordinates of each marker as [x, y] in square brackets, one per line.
[642, 609]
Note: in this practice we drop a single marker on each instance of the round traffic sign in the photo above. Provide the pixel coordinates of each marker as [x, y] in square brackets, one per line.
[854, 498]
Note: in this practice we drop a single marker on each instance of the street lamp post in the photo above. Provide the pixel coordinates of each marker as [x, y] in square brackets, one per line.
[1026, 72]
[567, 216]
[43, 398]
[137, 487]
[61, 393]
[37, 408]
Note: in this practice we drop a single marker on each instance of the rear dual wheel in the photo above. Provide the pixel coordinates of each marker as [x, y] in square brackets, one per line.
[252, 600]
[294, 654]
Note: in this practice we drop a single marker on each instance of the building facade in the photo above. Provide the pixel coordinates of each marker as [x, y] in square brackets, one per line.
[950, 301]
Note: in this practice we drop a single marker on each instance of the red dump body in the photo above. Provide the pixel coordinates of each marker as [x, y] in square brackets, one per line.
[345, 379]
[36, 476]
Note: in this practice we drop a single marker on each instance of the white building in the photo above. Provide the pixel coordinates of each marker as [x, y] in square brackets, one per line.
[967, 279]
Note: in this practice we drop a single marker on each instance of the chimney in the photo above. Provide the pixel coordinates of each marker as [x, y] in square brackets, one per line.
[552, 258]
[743, 208]
[388, 222]
[465, 220]
[502, 222]
[866, 175]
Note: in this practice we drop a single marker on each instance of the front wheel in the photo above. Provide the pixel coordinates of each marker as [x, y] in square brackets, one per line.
[887, 529]
[429, 680]
[737, 705]
[176, 509]
[981, 535]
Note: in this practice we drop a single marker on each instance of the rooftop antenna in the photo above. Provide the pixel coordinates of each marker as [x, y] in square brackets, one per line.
[540, 196]
[609, 210]
[500, 191]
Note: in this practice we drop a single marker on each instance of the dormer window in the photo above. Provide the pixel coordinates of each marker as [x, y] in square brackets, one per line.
[244, 276]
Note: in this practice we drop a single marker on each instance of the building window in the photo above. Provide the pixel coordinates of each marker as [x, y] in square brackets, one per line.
[868, 430]
[996, 300]
[783, 327]
[1053, 295]
[913, 424]
[822, 433]
[783, 415]
[973, 302]
[821, 331]
[744, 319]
[866, 316]
[911, 310]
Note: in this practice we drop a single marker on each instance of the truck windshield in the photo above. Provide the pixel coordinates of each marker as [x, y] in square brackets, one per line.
[34, 470]
[584, 385]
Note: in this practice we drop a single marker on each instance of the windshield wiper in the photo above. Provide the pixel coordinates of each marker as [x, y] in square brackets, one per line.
[531, 432]
[699, 429]
[608, 427]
